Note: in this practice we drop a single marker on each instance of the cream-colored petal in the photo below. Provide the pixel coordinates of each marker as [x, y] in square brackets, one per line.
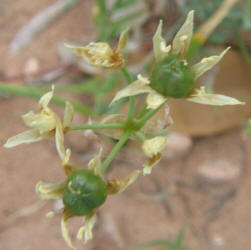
[67, 166]
[183, 38]
[28, 136]
[135, 88]
[154, 146]
[200, 96]
[98, 54]
[64, 228]
[154, 100]
[68, 114]
[77, 50]
[67, 157]
[150, 163]
[97, 49]
[43, 122]
[206, 64]
[90, 220]
[122, 40]
[60, 140]
[46, 98]
[160, 49]
[143, 79]
[95, 164]
[30, 117]
[118, 186]
[50, 191]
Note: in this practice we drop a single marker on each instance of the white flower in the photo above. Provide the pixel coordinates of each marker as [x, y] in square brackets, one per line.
[179, 47]
[44, 125]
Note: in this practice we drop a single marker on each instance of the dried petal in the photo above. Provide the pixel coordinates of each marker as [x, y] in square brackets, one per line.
[101, 54]
[48, 191]
[119, 186]
[206, 64]
[154, 100]
[160, 49]
[200, 96]
[68, 114]
[28, 136]
[122, 40]
[64, 228]
[77, 50]
[90, 220]
[152, 147]
[97, 54]
[135, 88]
[182, 39]
[67, 157]
[150, 163]
[68, 167]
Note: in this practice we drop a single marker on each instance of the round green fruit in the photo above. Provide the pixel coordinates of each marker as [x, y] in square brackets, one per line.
[172, 78]
[84, 192]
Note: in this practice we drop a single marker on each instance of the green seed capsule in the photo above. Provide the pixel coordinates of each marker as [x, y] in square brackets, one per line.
[84, 191]
[171, 77]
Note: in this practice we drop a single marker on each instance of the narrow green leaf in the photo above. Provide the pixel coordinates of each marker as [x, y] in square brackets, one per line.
[34, 93]
[152, 243]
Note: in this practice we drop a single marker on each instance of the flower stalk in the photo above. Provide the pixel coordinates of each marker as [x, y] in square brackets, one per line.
[115, 150]
[97, 126]
[129, 79]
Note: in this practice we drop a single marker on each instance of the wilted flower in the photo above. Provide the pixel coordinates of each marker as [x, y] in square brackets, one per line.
[172, 76]
[101, 54]
[44, 125]
[82, 193]
[152, 149]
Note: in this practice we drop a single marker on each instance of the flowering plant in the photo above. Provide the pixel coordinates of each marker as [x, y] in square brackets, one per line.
[84, 190]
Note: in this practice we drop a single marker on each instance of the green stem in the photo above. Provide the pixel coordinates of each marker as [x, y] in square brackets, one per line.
[126, 75]
[147, 116]
[97, 126]
[36, 94]
[140, 135]
[131, 98]
[115, 150]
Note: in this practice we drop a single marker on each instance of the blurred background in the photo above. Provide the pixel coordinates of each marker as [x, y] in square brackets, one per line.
[198, 195]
